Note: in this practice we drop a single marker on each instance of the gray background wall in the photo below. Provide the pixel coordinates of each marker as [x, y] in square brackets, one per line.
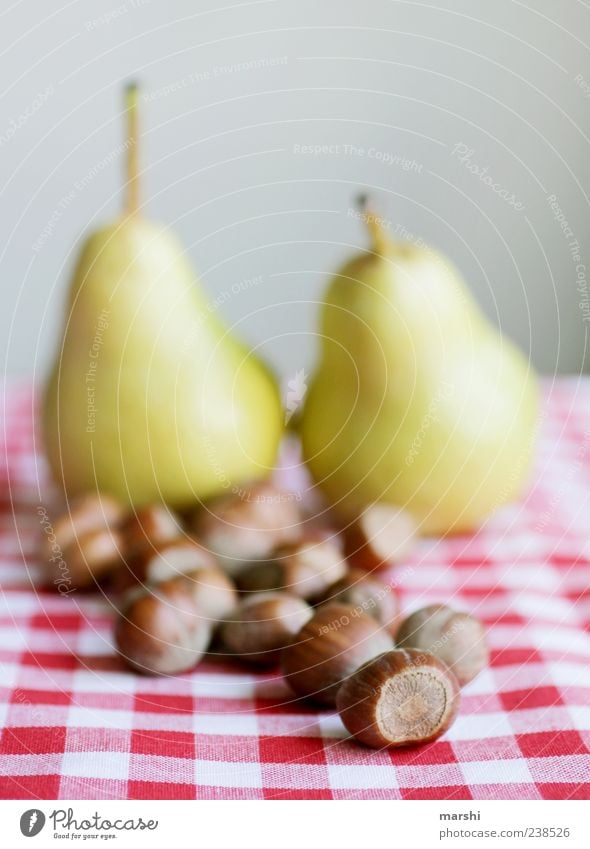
[231, 96]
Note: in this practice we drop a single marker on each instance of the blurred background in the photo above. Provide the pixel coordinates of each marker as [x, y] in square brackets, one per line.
[467, 122]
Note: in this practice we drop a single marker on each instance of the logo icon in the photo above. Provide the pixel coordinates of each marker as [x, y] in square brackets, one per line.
[32, 822]
[296, 389]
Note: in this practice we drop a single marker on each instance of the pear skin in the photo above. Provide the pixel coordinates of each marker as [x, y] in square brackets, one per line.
[417, 399]
[150, 397]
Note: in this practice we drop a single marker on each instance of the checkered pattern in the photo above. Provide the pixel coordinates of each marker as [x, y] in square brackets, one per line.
[76, 724]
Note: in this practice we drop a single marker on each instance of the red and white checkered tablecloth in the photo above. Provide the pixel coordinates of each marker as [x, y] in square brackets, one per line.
[75, 724]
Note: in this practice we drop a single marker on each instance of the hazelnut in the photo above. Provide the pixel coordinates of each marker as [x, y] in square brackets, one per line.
[162, 630]
[380, 537]
[263, 625]
[401, 698]
[456, 638]
[306, 568]
[90, 512]
[248, 526]
[92, 556]
[84, 543]
[213, 592]
[149, 527]
[371, 595]
[163, 561]
[335, 642]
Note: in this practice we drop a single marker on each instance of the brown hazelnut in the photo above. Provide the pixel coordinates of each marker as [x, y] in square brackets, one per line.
[213, 592]
[380, 537]
[90, 512]
[370, 595]
[149, 527]
[456, 638]
[248, 526]
[306, 568]
[162, 630]
[83, 544]
[401, 698]
[263, 625]
[335, 642]
[93, 555]
[163, 561]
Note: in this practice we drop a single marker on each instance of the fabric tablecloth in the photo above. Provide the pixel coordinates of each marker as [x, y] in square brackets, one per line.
[76, 724]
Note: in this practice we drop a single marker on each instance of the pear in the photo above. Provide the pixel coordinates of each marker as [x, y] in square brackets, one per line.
[417, 399]
[150, 398]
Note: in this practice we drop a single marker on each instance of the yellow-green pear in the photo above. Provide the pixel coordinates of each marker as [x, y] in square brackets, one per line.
[150, 397]
[417, 399]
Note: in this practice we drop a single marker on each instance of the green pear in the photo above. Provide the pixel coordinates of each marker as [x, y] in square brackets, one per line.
[417, 399]
[150, 397]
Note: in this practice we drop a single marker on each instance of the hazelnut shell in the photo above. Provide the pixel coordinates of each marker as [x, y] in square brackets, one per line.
[263, 625]
[163, 561]
[161, 632]
[380, 537]
[213, 592]
[148, 528]
[335, 642]
[90, 557]
[401, 698]
[456, 638]
[306, 568]
[248, 526]
[85, 513]
[371, 595]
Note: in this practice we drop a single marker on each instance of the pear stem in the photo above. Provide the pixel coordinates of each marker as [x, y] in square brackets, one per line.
[374, 226]
[376, 231]
[131, 100]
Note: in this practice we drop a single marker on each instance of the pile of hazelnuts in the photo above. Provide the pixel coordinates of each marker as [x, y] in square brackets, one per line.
[250, 576]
